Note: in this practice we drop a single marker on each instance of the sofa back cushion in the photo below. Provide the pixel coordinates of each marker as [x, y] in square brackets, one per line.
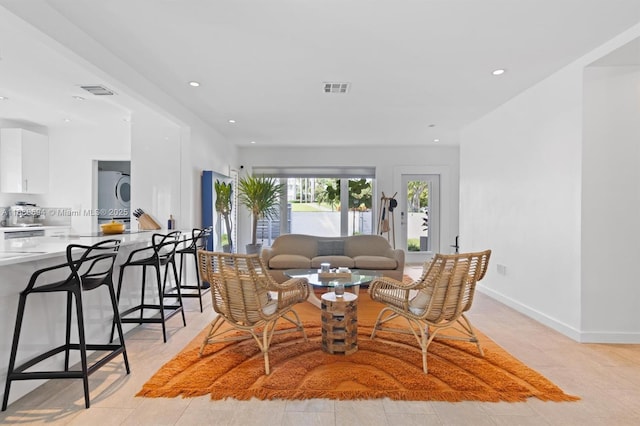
[289, 261]
[367, 245]
[302, 245]
[374, 262]
[311, 246]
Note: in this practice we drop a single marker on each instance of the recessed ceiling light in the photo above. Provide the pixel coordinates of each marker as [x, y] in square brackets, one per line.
[232, 121]
[436, 140]
[194, 84]
[66, 120]
[253, 141]
[78, 98]
[499, 71]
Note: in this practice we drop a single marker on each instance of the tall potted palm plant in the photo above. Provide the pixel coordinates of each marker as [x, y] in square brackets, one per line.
[261, 196]
[224, 204]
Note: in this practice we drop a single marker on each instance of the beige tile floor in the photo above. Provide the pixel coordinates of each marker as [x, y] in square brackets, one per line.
[607, 377]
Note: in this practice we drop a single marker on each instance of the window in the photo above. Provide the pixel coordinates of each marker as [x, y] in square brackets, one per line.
[324, 202]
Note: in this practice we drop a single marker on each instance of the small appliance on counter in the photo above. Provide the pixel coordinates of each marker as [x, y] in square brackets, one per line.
[23, 214]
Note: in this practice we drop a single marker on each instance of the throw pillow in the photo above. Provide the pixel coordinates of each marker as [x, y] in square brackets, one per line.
[419, 303]
[331, 248]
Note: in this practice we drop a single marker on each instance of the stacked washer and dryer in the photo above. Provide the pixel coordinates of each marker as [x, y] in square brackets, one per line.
[114, 197]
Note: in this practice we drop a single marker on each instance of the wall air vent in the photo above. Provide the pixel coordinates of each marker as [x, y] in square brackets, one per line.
[336, 87]
[98, 90]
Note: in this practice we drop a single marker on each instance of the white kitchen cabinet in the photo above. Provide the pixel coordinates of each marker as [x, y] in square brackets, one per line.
[24, 161]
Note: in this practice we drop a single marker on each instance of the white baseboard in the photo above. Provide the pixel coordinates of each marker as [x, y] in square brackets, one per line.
[571, 332]
[610, 337]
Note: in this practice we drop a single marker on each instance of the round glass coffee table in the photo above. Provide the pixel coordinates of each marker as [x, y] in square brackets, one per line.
[351, 284]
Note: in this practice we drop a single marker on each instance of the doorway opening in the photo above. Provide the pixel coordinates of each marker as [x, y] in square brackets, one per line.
[114, 192]
[421, 213]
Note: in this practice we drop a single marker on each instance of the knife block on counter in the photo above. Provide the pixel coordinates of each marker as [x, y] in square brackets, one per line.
[146, 222]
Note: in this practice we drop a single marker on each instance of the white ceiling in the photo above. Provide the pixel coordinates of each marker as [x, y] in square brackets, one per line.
[40, 83]
[419, 69]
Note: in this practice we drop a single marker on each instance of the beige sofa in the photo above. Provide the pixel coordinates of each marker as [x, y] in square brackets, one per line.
[298, 251]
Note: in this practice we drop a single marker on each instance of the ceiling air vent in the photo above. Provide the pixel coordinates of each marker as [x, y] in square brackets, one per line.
[98, 90]
[336, 87]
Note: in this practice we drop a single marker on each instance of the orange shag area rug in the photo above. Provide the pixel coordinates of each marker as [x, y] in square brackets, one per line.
[388, 367]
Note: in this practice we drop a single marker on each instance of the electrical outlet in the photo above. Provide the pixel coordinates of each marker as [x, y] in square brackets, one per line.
[502, 270]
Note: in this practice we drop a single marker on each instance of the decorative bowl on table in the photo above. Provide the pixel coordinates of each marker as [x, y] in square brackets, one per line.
[112, 228]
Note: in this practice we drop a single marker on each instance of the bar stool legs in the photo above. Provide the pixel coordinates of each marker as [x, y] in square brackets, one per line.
[78, 281]
[197, 241]
[161, 307]
[155, 261]
[199, 286]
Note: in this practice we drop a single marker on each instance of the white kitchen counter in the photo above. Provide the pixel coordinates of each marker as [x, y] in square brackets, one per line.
[26, 228]
[31, 249]
[45, 314]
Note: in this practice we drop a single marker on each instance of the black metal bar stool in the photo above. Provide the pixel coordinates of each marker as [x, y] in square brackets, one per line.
[90, 267]
[161, 254]
[197, 241]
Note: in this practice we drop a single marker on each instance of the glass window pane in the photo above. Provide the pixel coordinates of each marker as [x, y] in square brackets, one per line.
[360, 204]
[418, 215]
[314, 207]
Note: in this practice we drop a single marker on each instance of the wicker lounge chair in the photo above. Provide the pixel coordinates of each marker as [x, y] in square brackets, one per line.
[435, 302]
[246, 297]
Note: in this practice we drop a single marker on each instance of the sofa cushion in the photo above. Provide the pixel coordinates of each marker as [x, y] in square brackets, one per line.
[374, 262]
[334, 261]
[330, 247]
[289, 261]
[367, 245]
[303, 245]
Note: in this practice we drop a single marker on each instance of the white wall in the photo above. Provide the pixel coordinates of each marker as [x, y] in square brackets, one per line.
[166, 164]
[72, 151]
[156, 167]
[611, 202]
[206, 150]
[520, 196]
[522, 183]
[389, 163]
